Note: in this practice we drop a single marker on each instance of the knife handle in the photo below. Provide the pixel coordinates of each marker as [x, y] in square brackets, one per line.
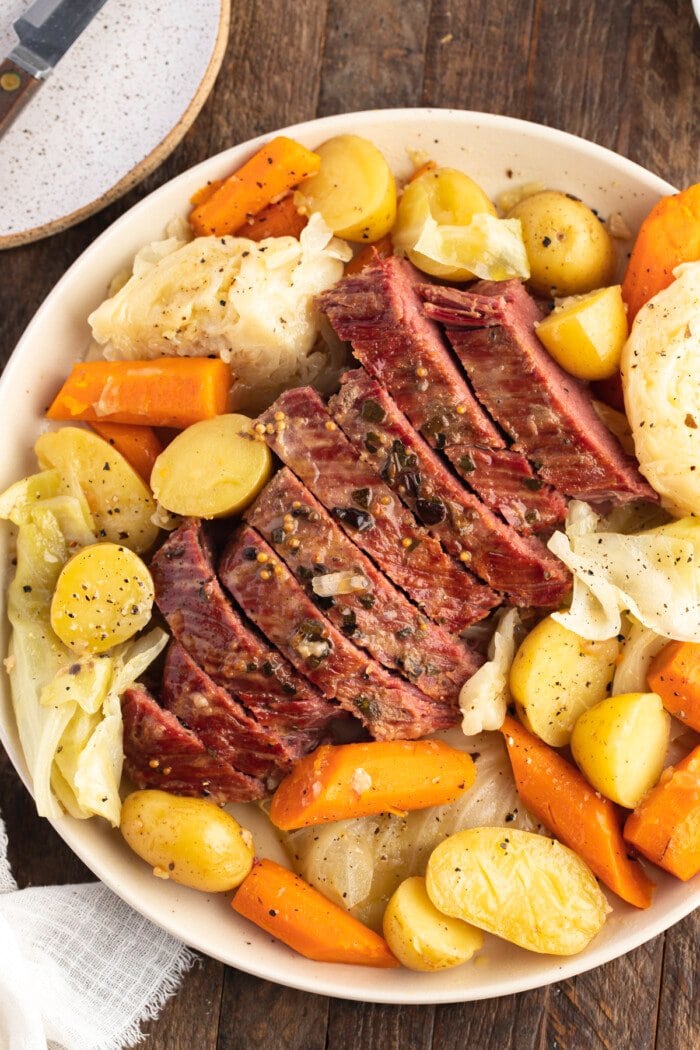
[16, 88]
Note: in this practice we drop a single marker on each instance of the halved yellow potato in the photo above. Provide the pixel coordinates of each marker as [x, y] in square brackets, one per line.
[212, 469]
[354, 189]
[569, 249]
[526, 888]
[423, 938]
[119, 501]
[103, 596]
[556, 676]
[620, 746]
[585, 334]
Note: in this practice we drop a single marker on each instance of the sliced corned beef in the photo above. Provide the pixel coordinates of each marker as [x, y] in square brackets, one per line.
[159, 752]
[380, 313]
[520, 567]
[368, 609]
[310, 443]
[547, 412]
[265, 589]
[203, 620]
[221, 723]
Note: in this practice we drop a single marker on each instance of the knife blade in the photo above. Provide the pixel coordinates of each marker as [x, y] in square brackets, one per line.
[45, 32]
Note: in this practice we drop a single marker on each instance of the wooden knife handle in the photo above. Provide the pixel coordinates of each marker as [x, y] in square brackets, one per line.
[16, 88]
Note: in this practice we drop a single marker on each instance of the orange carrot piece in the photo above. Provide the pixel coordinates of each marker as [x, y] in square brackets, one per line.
[665, 826]
[561, 799]
[205, 192]
[356, 780]
[285, 906]
[669, 235]
[274, 169]
[276, 220]
[674, 674]
[140, 446]
[368, 255]
[165, 392]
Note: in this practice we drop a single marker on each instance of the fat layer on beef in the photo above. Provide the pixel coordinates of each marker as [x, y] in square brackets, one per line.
[310, 443]
[367, 609]
[518, 566]
[549, 415]
[203, 620]
[159, 752]
[380, 313]
[267, 592]
[221, 723]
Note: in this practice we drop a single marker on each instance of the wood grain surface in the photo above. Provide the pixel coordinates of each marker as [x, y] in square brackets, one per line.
[624, 73]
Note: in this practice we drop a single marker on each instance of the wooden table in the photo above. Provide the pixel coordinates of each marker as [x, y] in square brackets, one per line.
[624, 73]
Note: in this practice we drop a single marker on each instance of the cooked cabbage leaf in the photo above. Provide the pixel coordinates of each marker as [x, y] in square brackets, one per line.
[485, 696]
[654, 575]
[640, 647]
[490, 248]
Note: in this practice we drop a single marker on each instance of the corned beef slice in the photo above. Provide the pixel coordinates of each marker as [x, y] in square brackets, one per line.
[389, 707]
[519, 566]
[379, 618]
[312, 446]
[203, 620]
[380, 313]
[159, 752]
[548, 414]
[221, 723]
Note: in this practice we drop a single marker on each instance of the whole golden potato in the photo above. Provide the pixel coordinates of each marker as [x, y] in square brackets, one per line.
[188, 840]
[569, 249]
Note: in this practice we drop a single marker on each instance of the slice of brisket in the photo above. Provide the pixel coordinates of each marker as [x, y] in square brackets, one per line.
[547, 412]
[520, 567]
[265, 589]
[380, 313]
[221, 723]
[159, 752]
[310, 443]
[378, 618]
[203, 620]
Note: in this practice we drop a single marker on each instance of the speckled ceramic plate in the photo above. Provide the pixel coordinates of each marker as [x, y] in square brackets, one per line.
[113, 109]
[498, 152]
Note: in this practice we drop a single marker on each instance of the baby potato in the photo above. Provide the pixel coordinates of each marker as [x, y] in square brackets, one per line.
[119, 501]
[423, 938]
[620, 746]
[211, 469]
[354, 189]
[449, 197]
[556, 676]
[103, 596]
[188, 840]
[569, 249]
[585, 334]
[526, 888]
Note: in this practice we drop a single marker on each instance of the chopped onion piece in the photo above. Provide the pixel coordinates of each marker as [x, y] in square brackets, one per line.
[330, 584]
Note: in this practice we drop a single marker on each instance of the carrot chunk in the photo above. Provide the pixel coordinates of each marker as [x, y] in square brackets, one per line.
[674, 674]
[276, 220]
[665, 826]
[356, 780]
[370, 254]
[669, 235]
[140, 446]
[274, 169]
[561, 799]
[165, 392]
[285, 906]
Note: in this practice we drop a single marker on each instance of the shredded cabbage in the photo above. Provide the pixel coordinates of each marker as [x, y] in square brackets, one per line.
[484, 698]
[490, 248]
[653, 575]
[251, 303]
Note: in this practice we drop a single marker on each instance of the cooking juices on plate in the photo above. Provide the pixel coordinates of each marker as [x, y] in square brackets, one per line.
[453, 538]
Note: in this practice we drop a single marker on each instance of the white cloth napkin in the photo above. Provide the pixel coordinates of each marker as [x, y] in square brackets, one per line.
[79, 969]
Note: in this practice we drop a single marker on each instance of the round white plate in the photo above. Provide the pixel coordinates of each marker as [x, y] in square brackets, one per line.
[498, 152]
[112, 110]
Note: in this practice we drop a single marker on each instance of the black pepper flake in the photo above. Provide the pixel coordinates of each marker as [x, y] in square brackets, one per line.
[106, 467]
[277, 535]
[362, 497]
[372, 411]
[27, 588]
[467, 464]
[250, 553]
[546, 241]
[534, 484]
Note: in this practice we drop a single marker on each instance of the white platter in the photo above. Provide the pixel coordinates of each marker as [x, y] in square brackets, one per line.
[498, 152]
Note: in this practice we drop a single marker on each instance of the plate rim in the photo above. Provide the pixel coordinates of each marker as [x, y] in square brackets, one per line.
[69, 830]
